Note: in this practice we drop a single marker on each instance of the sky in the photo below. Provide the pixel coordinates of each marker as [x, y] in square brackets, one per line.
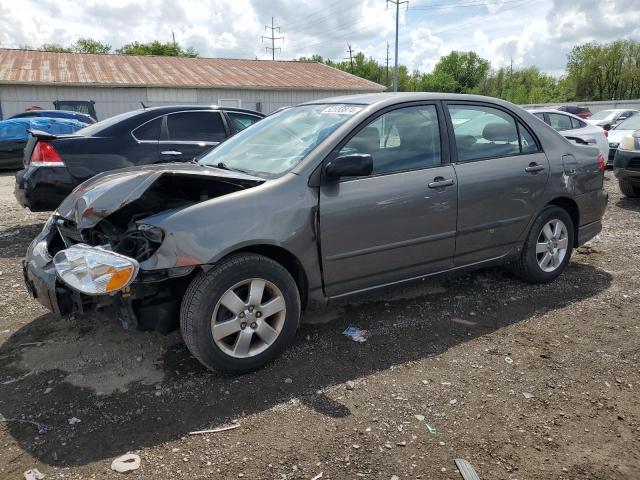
[525, 32]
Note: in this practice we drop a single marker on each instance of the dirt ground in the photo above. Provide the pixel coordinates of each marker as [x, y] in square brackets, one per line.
[525, 382]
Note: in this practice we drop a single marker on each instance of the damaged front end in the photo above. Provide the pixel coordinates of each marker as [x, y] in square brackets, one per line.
[97, 252]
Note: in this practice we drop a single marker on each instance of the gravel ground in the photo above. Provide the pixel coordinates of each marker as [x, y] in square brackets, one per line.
[525, 382]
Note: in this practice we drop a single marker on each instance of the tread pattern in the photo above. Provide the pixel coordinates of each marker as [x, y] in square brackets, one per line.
[628, 189]
[200, 289]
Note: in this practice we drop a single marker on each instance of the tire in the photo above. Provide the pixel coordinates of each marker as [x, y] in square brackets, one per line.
[244, 342]
[627, 189]
[529, 267]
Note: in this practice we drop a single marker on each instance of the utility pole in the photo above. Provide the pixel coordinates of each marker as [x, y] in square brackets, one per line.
[350, 57]
[397, 3]
[386, 82]
[173, 35]
[273, 39]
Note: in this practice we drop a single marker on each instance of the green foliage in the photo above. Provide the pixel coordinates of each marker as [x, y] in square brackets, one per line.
[460, 72]
[168, 49]
[54, 47]
[88, 45]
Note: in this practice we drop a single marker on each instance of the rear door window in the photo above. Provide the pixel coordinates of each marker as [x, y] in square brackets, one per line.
[150, 131]
[560, 122]
[493, 133]
[195, 127]
[240, 121]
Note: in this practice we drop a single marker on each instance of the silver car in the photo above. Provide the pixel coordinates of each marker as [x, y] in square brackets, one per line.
[575, 128]
[610, 118]
[319, 202]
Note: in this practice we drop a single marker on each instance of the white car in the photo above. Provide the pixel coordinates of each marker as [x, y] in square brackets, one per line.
[611, 117]
[627, 127]
[573, 127]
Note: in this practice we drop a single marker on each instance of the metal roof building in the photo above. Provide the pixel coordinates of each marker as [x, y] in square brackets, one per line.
[119, 83]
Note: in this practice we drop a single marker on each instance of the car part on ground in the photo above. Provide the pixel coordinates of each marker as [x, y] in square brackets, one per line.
[321, 202]
[142, 137]
[626, 164]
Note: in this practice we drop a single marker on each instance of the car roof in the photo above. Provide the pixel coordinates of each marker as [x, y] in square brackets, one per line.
[557, 112]
[390, 98]
[172, 108]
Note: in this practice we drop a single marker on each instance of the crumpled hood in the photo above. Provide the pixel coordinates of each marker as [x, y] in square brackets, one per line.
[100, 196]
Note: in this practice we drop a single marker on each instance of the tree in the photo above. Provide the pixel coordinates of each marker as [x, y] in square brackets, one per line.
[88, 45]
[168, 49]
[54, 47]
[466, 69]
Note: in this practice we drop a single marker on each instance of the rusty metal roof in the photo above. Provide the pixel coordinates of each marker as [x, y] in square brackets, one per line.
[47, 68]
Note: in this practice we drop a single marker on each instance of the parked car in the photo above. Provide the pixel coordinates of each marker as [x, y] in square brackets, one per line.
[55, 164]
[81, 117]
[319, 202]
[623, 129]
[609, 119]
[574, 128]
[582, 112]
[82, 106]
[14, 134]
[626, 164]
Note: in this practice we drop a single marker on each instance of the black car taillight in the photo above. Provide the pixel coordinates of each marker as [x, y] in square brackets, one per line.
[44, 155]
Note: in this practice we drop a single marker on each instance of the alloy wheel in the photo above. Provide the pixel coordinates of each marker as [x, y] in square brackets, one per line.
[248, 318]
[552, 245]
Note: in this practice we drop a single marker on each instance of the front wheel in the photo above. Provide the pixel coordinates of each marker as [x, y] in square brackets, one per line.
[548, 246]
[240, 314]
[627, 188]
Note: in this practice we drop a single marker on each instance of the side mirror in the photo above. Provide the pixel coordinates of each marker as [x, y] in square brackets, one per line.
[353, 165]
[607, 126]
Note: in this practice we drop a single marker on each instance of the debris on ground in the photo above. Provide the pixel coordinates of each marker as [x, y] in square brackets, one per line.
[33, 474]
[528, 395]
[357, 334]
[74, 420]
[126, 463]
[215, 430]
[466, 469]
[432, 430]
[509, 360]
[318, 476]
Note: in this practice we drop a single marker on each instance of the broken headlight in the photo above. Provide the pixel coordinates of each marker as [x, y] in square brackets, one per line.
[94, 270]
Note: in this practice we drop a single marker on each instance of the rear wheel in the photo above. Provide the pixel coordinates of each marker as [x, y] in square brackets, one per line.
[627, 188]
[548, 246]
[240, 314]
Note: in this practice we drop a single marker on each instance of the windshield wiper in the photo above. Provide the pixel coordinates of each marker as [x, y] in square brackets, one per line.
[224, 166]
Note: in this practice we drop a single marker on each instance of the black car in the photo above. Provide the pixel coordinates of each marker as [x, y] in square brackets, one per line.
[55, 164]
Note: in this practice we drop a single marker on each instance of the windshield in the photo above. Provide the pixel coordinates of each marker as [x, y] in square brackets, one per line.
[602, 115]
[281, 141]
[631, 123]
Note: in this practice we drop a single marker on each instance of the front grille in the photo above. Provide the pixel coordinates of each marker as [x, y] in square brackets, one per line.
[634, 164]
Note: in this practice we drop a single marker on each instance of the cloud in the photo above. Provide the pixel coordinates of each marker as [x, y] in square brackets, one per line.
[540, 32]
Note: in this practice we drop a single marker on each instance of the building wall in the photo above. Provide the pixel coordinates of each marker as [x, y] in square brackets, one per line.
[111, 101]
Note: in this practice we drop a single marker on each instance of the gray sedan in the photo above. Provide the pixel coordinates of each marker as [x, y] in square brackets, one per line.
[316, 203]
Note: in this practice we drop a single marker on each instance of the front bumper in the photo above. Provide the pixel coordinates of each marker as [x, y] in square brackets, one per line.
[627, 165]
[42, 189]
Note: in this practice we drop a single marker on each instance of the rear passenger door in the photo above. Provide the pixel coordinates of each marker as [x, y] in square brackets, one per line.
[501, 172]
[186, 135]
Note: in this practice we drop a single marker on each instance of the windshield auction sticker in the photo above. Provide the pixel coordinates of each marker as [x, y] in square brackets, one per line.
[342, 109]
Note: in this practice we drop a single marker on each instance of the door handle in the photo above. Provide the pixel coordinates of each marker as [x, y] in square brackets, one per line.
[440, 182]
[534, 168]
[173, 153]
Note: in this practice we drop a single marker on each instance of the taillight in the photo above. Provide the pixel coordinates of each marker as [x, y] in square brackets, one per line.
[602, 164]
[606, 133]
[44, 155]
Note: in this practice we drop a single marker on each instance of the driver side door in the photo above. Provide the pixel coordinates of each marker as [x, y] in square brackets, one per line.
[399, 222]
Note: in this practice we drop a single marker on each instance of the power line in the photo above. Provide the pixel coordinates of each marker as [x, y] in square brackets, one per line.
[273, 39]
[397, 3]
[350, 58]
